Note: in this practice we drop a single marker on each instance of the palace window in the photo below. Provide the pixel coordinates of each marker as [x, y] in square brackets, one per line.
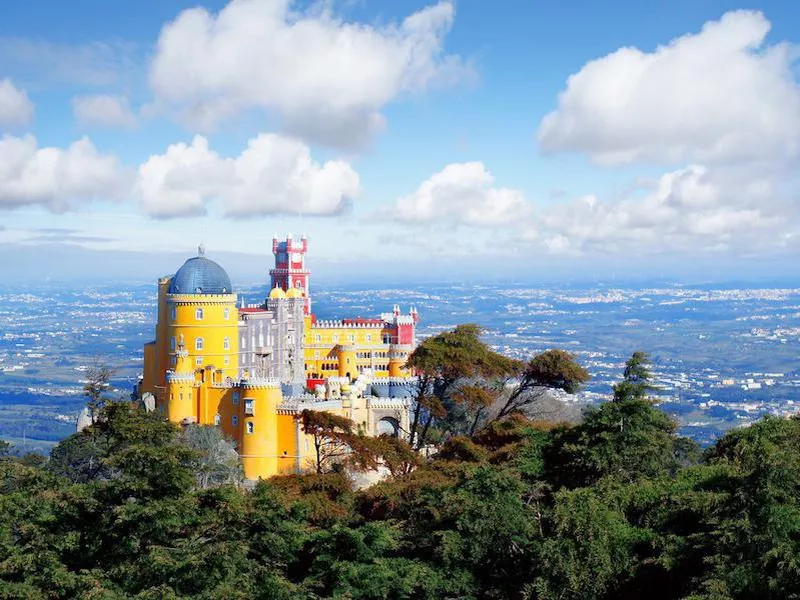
[226, 344]
[352, 339]
[173, 314]
[250, 427]
[227, 360]
[226, 314]
[318, 339]
[198, 343]
[336, 338]
[217, 419]
[198, 314]
[235, 420]
[235, 397]
[249, 407]
[174, 360]
[369, 337]
[198, 360]
[172, 344]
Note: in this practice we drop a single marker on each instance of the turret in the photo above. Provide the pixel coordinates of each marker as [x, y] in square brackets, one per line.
[398, 356]
[290, 269]
[347, 362]
[180, 389]
[259, 427]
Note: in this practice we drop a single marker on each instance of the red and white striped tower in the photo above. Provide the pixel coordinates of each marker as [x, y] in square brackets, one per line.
[290, 267]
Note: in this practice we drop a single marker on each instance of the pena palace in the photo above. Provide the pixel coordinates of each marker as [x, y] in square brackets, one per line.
[252, 370]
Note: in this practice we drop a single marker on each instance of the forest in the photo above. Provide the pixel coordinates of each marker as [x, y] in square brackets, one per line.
[495, 492]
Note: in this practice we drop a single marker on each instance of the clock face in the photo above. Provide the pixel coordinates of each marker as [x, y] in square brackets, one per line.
[297, 257]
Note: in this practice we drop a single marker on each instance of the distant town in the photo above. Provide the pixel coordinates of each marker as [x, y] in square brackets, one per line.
[722, 357]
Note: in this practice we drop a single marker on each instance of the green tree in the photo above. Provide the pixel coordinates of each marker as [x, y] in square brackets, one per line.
[442, 364]
[627, 438]
[82, 457]
[550, 370]
[591, 550]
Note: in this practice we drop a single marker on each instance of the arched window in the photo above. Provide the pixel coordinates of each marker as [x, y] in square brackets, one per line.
[198, 314]
[198, 343]
[250, 427]
[217, 419]
[226, 314]
[226, 344]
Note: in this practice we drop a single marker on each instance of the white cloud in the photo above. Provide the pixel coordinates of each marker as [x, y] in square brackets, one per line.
[56, 178]
[103, 110]
[92, 63]
[462, 193]
[326, 79]
[719, 95]
[275, 174]
[690, 211]
[15, 107]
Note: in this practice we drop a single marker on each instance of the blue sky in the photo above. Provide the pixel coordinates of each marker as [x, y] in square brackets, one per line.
[527, 138]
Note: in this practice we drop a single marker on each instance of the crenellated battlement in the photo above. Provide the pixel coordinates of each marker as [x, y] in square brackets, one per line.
[260, 383]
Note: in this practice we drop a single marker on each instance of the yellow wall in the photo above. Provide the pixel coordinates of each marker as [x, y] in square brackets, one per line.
[259, 449]
[157, 358]
[288, 428]
[323, 352]
[149, 369]
[213, 329]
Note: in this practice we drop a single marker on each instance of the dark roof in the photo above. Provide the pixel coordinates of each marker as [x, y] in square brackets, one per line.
[200, 275]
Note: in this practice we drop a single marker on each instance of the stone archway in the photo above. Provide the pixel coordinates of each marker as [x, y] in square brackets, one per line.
[388, 426]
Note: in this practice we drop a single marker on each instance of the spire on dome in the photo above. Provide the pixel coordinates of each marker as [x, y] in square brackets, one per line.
[201, 249]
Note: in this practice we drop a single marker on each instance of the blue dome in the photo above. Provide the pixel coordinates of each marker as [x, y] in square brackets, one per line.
[200, 275]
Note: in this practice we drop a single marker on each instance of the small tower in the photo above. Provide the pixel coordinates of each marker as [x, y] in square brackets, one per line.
[290, 267]
[180, 392]
[347, 362]
[259, 427]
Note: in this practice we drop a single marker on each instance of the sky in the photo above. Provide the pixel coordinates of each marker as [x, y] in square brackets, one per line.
[463, 139]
